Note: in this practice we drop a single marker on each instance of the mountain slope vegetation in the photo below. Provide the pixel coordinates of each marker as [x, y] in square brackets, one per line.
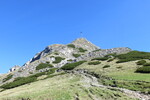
[97, 74]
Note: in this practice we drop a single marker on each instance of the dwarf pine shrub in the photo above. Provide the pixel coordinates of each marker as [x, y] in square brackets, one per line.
[141, 62]
[43, 65]
[76, 55]
[144, 69]
[132, 56]
[82, 50]
[71, 66]
[94, 63]
[101, 58]
[71, 45]
[58, 60]
[106, 66]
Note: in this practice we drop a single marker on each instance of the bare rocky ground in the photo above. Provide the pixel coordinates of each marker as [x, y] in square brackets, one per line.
[93, 81]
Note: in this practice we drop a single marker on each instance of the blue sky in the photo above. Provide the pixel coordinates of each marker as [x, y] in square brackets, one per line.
[28, 26]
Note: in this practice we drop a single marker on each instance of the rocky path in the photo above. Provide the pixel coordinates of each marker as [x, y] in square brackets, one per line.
[93, 81]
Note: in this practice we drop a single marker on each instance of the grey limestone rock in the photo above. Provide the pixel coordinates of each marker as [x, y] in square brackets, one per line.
[104, 52]
[14, 68]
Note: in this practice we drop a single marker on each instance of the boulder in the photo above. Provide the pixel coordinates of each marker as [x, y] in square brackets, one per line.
[14, 68]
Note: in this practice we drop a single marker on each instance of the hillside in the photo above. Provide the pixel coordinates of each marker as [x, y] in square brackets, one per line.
[83, 70]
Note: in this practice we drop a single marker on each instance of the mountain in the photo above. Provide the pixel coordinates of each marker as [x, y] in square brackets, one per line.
[79, 49]
[83, 70]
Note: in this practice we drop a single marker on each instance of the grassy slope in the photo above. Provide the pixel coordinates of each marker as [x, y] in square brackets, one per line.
[123, 75]
[67, 87]
[64, 87]
[126, 72]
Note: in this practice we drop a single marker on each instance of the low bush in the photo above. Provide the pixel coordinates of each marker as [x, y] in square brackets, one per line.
[56, 53]
[47, 62]
[76, 55]
[111, 59]
[71, 66]
[18, 82]
[52, 56]
[82, 50]
[141, 62]
[146, 64]
[101, 58]
[43, 65]
[119, 67]
[144, 69]
[18, 78]
[38, 74]
[30, 72]
[51, 71]
[58, 60]
[70, 60]
[25, 80]
[132, 56]
[71, 45]
[94, 63]
[106, 66]
[8, 77]
[96, 50]
[122, 61]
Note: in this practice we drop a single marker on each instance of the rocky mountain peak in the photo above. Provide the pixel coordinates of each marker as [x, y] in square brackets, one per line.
[81, 40]
[84, 43]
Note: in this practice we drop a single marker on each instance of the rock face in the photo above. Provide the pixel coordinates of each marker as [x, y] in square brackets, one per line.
[52, 52]
[15, 68]
[104, 52]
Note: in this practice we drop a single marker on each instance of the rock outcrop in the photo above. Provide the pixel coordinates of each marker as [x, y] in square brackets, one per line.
[14, 68]
[104, 52]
